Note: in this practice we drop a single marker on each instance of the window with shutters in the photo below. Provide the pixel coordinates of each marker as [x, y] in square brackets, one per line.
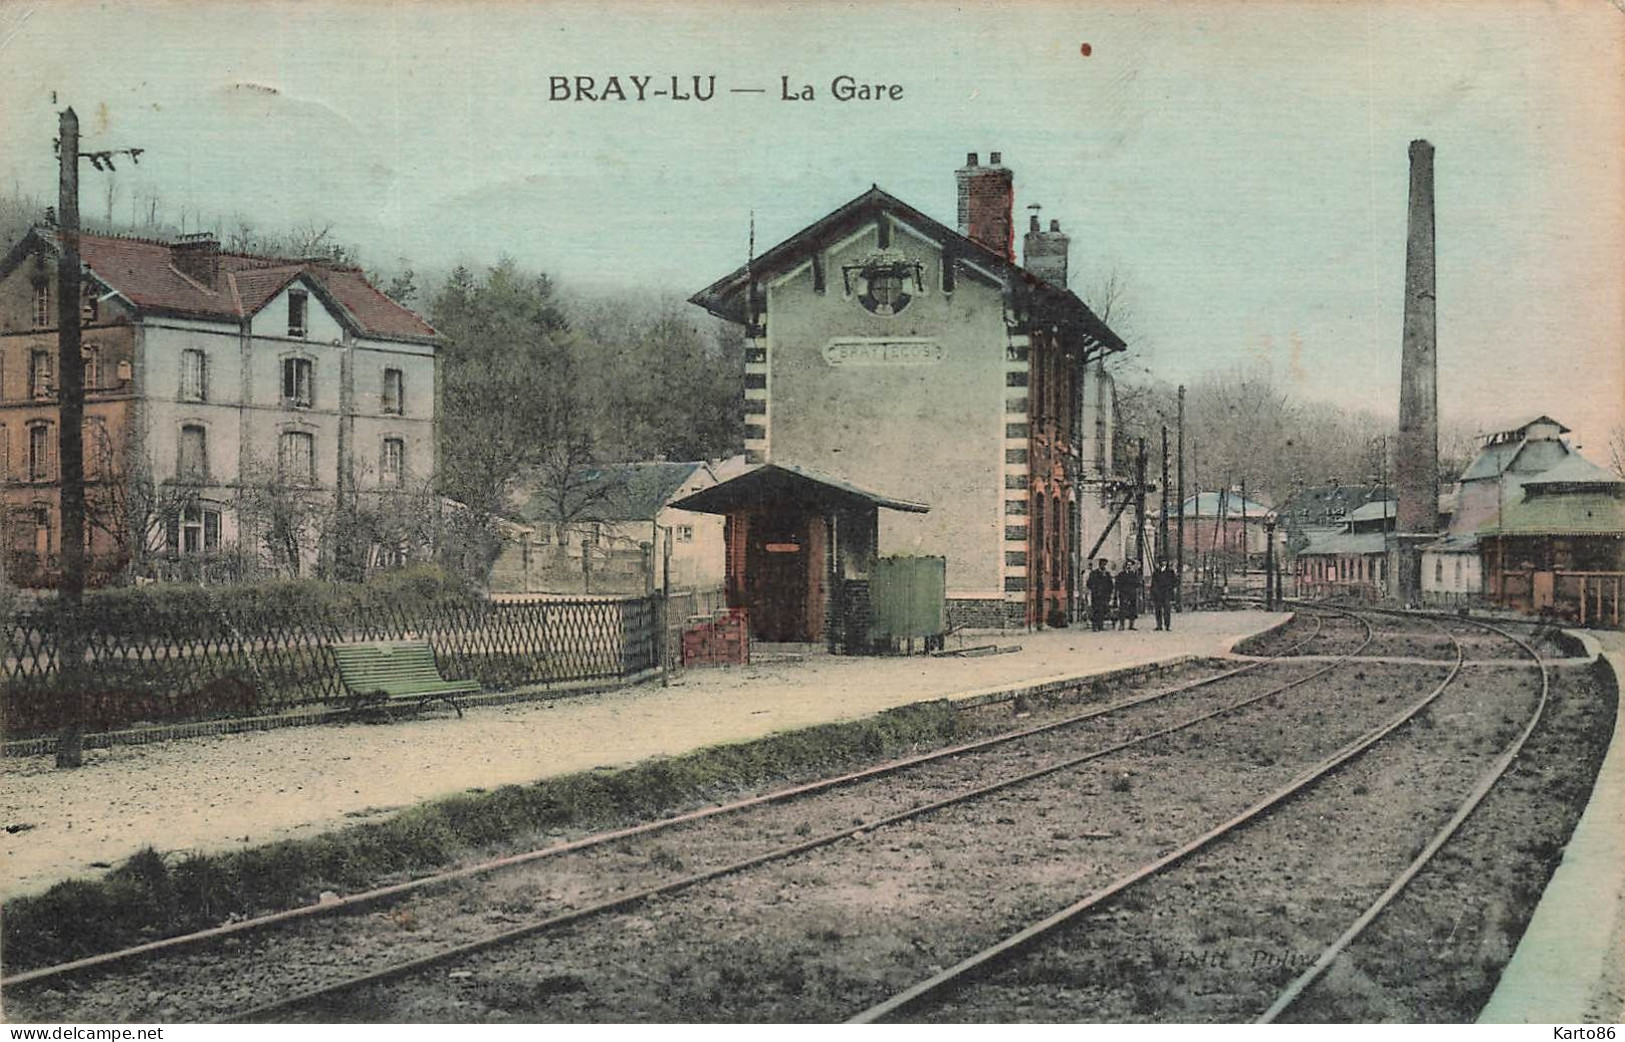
[298, 379]
[194, 375]
[193, 464]
[39, 452]
[39, 374]
[296, 457]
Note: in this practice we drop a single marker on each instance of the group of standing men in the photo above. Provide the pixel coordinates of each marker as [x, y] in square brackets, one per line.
[1122, 591]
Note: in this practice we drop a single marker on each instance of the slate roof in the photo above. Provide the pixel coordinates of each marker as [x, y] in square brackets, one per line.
[725, 297]
[1329, 543]
[1460, 543]
[622, 491]
[1565, 514]
[142, 271]
[1207, 504]
[1515, 457]
[1576, 470]
[1382, 508]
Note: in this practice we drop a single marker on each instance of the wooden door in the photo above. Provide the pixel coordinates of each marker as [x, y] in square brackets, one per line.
[776, 564]
[1543, 590]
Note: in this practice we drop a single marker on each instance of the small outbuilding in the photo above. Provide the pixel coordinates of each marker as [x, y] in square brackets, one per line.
[801, 550]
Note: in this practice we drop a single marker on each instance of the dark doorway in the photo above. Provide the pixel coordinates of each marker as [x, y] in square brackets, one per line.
[777, 565]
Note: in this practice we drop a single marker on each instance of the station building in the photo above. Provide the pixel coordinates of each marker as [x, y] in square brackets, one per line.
[902, 368]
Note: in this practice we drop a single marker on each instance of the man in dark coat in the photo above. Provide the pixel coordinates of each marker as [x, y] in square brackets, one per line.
[1100, 595]
[1128, 594]
[1163, 584]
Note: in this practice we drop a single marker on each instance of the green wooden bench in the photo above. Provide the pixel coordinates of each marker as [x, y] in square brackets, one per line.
[381, 672]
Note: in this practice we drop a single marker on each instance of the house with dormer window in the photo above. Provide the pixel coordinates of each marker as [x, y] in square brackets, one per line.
[209, 375]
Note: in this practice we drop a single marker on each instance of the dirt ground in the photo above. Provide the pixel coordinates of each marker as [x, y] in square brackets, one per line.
[1130, 790]
[229, 791]
[829, 931]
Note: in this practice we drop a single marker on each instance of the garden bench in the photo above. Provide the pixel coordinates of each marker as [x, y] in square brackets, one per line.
[381, 672]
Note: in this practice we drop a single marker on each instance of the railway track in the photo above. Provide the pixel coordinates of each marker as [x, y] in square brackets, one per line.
[945, 985]
[1025, 740]
[380, 895]
[134, 957]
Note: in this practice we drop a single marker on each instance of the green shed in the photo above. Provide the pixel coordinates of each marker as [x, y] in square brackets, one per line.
[908, 599]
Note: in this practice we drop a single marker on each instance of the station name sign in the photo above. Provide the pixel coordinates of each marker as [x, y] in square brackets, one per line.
[911, 351]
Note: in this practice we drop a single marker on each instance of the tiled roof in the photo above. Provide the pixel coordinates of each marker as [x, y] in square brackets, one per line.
[143, 272]
[725, 297]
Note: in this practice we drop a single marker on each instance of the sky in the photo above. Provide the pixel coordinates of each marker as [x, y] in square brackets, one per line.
[1240, 167]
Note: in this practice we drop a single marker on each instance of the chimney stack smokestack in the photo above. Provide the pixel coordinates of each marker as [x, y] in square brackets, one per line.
[986, 198]
[1417, 460]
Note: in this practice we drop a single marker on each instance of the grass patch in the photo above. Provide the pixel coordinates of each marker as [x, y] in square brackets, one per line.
[150, 897]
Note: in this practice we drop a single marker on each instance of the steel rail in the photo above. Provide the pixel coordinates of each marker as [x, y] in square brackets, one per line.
[354, 901]
[1486, 781]
[625, 901]
[965, 968]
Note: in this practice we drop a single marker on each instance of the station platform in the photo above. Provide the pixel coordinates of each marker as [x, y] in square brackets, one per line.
[1569, 967]
[228, 791]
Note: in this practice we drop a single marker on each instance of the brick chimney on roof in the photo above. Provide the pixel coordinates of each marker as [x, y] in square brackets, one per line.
[1044, 252]
[197, 256]
[986, 197]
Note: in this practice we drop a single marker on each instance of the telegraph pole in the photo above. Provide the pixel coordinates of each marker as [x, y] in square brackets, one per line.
[70, 660]
[1162, 535]
[1179, 548]
[70, 744]
[1139, 505]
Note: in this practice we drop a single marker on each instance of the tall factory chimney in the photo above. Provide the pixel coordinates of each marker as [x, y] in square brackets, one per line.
[986, 197]
[1417, 463]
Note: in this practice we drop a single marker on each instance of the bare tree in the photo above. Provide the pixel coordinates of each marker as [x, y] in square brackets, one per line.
[127, 502]
[285, 517]
[1616, 449]
[568, 485]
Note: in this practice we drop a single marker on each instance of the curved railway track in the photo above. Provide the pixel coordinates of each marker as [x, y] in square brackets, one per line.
[945, 983]
[153, 950]
[379, 895]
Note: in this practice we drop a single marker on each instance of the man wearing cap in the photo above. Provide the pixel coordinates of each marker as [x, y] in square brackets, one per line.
[1100, 595]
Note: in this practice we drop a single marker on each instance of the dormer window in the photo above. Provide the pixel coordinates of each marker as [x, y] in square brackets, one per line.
[42, 305]
[298, 306]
